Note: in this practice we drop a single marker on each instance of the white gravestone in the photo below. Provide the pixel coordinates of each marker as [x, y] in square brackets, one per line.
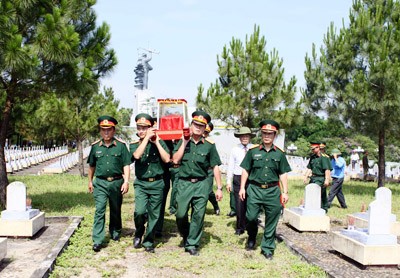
[312, 202]
[16, 203]
[379, 221]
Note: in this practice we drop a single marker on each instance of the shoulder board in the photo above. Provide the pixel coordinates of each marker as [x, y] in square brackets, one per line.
[95, 142]
[210, 141]
[324, 154]
[135, 142]
[120, 140]
[279, 149]
[254, 146]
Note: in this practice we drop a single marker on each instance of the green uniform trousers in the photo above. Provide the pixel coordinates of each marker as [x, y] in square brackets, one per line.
[148, 198]
[167, 186]
[269, 200]
[324, 196]
[194, 195]
[174, 179]
[104, 191]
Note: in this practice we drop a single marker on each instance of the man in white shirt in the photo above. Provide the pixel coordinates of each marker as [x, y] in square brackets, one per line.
[234, 173]
[354, 159]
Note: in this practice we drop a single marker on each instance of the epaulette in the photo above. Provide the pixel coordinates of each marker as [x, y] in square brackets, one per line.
[95, 142]
[324, 154]
[279, 148]
[210, 141]
[135, 142]
[120, 140]
[254, 146]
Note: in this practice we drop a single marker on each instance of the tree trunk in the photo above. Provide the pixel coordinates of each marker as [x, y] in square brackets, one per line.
[381, 159]
[80, 150]
[3, 135]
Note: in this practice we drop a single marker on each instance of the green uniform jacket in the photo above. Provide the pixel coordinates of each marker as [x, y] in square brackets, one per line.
[109, 161]
[150, 164]
[265, 166]
[319, 164]
[198, 158]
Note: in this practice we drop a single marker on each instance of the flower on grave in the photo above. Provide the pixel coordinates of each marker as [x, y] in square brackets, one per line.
[301, 203]
[28, 203]
[350, 220]
[363, 207]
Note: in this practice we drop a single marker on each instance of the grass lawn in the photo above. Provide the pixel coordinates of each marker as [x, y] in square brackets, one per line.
[222, 253]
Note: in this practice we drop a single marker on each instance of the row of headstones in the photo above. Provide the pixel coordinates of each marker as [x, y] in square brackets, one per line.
[65, 162]
[19, 159]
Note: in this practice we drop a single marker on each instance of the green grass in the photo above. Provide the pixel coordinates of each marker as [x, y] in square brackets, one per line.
[222, 253]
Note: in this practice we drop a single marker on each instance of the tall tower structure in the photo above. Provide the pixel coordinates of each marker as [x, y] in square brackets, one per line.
[144, 100]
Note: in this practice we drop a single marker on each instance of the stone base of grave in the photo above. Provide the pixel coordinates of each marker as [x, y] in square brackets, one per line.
[308, 223]
[365, 254]
[3, 248]
[52, 170]
[22, 228]
[360, 222]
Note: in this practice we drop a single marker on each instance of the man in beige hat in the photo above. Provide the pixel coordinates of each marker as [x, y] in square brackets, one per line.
[234, 173]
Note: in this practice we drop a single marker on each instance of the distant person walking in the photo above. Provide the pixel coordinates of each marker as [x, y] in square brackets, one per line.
[109, 162]
[234, 174]
[354, 158]
[365, 164]
[338, 165]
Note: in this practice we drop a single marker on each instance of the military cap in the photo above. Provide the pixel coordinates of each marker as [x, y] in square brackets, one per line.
[106, 121]
[314, 144]
[209, 127]
[144, 119]
[336, 151]
[201, 117]
[269, 125]
[244, 130]
[322, 145]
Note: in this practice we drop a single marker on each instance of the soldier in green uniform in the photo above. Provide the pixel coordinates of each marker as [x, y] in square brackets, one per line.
[109, 162]
[211, 197]
[148, 154]
[318, 170]
[264, 166]
[196, 155]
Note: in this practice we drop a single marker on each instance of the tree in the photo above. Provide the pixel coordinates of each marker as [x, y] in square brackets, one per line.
[43, 49]
[251, 85]
[357, 74]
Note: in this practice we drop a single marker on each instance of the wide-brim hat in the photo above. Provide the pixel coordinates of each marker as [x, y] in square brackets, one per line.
[335, 151]
[244, 131]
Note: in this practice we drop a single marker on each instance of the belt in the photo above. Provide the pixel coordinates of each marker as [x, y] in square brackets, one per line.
[266, 185]
[176, 165]
[193, 180]
[159, 177]
[110, 178]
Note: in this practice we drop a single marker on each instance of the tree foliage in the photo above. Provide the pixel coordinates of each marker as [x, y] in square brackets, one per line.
[48, 47]
[251, 85]
[356, 76]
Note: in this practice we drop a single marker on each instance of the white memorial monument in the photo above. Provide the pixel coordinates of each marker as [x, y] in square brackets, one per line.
[309, 217]
[374, 245]
[361, 218]
[19, 219]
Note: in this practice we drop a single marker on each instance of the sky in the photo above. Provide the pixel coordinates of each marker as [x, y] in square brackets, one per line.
[189, 34]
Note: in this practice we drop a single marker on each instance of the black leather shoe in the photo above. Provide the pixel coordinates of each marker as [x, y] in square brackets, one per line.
[136, 242]
[149, 249]
[217, 211]
[96, 247]
[158, 234]
[231, 214]
[267, 256]
[239, 232]
[116, 238]
[192, 252]
[250, 245]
